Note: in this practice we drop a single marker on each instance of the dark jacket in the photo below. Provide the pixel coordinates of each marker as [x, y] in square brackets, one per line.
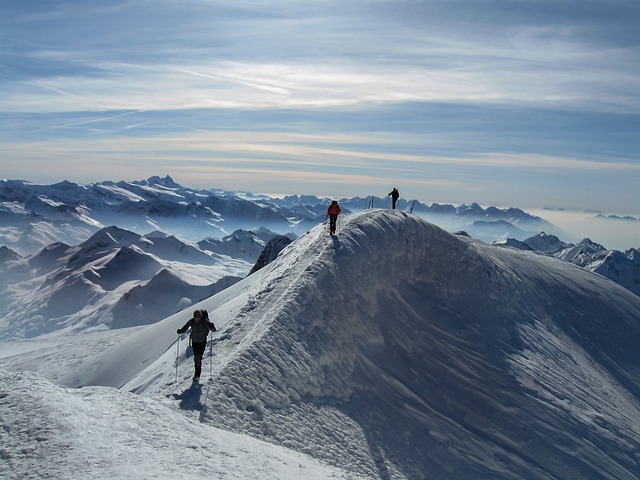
[199, 329]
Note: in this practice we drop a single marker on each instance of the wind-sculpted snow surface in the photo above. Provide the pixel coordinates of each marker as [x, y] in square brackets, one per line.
[100, 433]
[397, 350]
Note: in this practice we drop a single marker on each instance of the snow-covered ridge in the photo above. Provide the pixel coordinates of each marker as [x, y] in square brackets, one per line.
[398, 350]
[395, 350]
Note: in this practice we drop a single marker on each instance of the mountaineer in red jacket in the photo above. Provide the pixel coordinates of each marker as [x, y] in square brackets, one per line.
[332, 212]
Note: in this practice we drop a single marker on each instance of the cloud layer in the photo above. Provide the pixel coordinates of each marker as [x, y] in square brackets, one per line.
[511, 102]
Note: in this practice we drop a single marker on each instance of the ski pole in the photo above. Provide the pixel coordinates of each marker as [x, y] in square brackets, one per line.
[177, 356]
[211, 359]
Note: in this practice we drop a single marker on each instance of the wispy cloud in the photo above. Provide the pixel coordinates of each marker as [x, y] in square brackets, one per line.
[497, 100]
[222, 85]
[293, 55]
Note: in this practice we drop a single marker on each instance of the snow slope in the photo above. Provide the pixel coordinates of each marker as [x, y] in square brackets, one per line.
[102, 433]
[397, 350]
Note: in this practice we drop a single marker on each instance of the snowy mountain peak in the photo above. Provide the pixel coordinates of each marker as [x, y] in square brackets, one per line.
[394, 350]
[167, 181]
[582, 253]
[7, 255]
[156, 234]
[431, 350]
[110, 237]
[545, 243]
[65, 185]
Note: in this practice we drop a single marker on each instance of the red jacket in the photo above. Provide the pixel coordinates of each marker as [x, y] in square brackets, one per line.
[334, 209]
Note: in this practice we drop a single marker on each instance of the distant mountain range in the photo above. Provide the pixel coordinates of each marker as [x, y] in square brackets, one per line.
[118, 278]
[66, 264]
[621, 267]
[34, 216]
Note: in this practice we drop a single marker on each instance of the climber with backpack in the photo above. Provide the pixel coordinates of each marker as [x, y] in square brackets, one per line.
[200, 327]
[332, 212]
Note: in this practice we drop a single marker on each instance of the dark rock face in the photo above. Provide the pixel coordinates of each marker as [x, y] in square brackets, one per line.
[270, 252]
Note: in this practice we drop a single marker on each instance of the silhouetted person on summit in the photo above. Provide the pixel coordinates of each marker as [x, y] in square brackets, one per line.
[394, 194]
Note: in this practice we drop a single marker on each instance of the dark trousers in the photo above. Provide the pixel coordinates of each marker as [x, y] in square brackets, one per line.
[332, 223]
[198, 352]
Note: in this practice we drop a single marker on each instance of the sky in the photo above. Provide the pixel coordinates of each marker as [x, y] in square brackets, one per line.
[531, 104]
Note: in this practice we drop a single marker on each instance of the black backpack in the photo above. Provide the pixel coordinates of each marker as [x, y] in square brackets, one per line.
[205, 316]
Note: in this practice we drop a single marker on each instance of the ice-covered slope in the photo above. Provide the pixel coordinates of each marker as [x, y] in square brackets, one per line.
[397, 350]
